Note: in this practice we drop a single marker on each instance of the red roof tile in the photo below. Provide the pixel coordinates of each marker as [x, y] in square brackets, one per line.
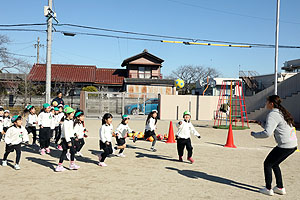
[110, 76]
[78, 73]
[63, 73]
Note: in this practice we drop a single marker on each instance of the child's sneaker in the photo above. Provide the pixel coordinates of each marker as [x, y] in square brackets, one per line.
[102, 164]
[191, 160]
[73, 166]
[4, 163]
[153, 149]
[121, 155]
[278, 190]
[42, 152]
[59, 147]
[180, 159]
[60, 168]
[17, 167]
[48, 150]
[79, 154]
[266, 191]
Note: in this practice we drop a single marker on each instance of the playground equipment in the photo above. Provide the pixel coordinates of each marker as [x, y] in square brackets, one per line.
[231, 107]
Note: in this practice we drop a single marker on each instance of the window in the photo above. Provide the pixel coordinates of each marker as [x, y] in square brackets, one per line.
[145, 72]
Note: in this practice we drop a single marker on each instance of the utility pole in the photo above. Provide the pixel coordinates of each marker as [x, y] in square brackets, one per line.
[48, 12]
[276, 46]
[37, 46]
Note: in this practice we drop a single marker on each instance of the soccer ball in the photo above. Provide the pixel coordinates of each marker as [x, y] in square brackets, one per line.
[54, 103]
[179, 83]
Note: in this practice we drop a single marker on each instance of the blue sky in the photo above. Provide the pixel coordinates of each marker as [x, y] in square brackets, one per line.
[251, 21]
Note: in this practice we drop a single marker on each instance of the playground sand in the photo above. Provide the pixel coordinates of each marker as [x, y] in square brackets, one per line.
[218, 172]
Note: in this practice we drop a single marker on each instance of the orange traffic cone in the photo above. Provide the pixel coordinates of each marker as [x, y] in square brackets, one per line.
[230, 142]
[171, 138]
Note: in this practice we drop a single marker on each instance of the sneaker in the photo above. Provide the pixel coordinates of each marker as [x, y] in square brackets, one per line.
[68, 155]
[59, 147]
[48, 150]
[42, 151]
[4, 163]
[121, 155]
[73, 166]
[60, 168]
[79, 154]
[278, 190]
[191, 160]
[180, 159]
[17, 167]
[102, 164]
[153, 149]
[266, 191]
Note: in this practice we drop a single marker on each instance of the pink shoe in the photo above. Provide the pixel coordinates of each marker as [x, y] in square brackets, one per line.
[73, 166]
[42, 151]
[102, 164]
[180, 159]
[48, 150]
[59, 147]
[191, 160]
[60, 168]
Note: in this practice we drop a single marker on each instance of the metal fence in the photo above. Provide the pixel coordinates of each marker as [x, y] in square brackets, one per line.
[119, 103]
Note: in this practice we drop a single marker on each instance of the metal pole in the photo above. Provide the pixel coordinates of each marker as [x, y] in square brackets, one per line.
[48, 58]
[276, 46]
[38, 51]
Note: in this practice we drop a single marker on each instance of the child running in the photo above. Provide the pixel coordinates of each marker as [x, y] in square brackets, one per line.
[15, 135]
[121, 134]
[150, 128]
[31, 122]
[185, 128]
[105, 133]
[67, 141]
[1, 122]
[59, 120]
[6, 120]
[79, 131]
[45, 121]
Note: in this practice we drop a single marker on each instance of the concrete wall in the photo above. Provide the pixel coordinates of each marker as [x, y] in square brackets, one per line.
[144, 89]
[201, 107]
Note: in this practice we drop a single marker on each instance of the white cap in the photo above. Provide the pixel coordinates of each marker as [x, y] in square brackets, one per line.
[6, 111]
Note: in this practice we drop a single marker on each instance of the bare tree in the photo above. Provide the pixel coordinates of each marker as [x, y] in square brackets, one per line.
[191, 74]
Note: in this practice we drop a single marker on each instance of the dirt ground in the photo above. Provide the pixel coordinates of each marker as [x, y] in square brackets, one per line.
[218, 172]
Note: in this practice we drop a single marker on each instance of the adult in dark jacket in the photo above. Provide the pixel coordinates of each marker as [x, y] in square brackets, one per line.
[58, 100]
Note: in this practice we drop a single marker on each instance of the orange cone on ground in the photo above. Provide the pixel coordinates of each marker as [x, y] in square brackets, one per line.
[230, 142]
[171, 138]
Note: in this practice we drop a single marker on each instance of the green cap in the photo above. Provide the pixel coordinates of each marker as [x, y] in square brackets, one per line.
[15, 118]
[68, 110]
[125, 117]
[186, 113]
[29, 107]
[56, 109]
[78, 113]
[46, 105]
[66, 106]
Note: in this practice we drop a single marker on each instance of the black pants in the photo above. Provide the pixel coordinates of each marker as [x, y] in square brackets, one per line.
[11, 148]
[275, 157]
[44, 136]
[65, 147]
[181, 143]
[32, 129]
[149, 134]
[79, 144]
[57, 133]
[107, 150]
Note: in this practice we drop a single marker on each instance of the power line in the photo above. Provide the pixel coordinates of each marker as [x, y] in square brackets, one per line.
[18, 29]
[20, 55]
[17, 25]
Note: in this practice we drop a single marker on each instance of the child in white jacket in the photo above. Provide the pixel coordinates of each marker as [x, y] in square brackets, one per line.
[14, 136]
[67, 141]
[105, 134]
[45, 122]
[121, 134]
[31, 122]
[185, 128]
